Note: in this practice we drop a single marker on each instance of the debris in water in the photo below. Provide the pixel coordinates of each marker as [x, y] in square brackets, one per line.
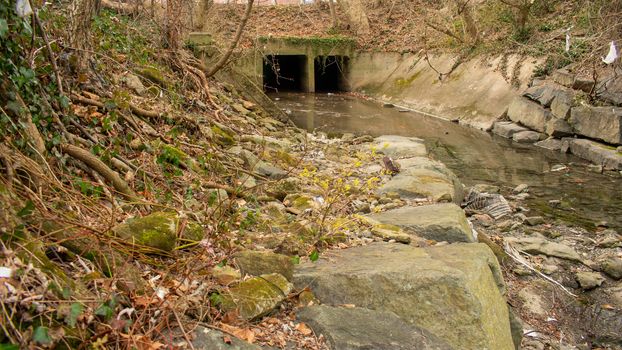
[494, 205]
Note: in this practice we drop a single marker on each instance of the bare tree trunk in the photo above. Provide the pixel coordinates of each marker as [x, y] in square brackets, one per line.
[81, 16]
[333, 13]
[223, 60]
[174, 24]
[470, 26]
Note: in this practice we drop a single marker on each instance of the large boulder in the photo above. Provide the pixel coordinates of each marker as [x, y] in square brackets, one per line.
[528, 113]
[440, 222]
[593, 151]
[400, 146]
[422, 177]
[349, 329]
[603, 123]
[455, 291]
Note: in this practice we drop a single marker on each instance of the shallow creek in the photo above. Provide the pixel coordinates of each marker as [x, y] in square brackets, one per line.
[586, 198]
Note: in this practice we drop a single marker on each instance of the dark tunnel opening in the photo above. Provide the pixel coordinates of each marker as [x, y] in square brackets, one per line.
[330, 73]
[284, 73]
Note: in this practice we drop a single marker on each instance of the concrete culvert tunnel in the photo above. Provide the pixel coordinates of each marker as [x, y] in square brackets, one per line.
[285, 73]
[330, 73]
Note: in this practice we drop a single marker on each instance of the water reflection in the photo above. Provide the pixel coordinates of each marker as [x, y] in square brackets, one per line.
[475, 156]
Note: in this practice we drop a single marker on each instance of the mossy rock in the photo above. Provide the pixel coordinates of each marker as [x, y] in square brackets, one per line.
[223, 137]
[173, 155]
[300, 202]
[257, 263]
[257, 296]
[154, 75]
[157, 230]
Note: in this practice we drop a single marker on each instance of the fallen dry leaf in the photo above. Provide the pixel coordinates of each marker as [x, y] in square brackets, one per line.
[304, 329]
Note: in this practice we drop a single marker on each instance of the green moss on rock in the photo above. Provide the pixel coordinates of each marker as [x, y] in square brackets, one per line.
[257, 296]
[158, 230]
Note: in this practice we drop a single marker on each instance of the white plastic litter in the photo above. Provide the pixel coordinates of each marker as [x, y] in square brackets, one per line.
[23, 9]
[5, 272]
[567, 41]
[612, 55]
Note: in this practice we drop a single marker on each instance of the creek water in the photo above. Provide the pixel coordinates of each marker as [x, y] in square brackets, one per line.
[585, 198]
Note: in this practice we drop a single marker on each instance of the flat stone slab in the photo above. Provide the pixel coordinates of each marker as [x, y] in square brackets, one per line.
[400, 146]
[595, 152]
[528, 113]
[602, 123]
[550, 144]
[211, 339]
[526, 137]
[454, 291]
[422, 177]
[539, 245]
[507, 129]
[358, 328]
[440, 222]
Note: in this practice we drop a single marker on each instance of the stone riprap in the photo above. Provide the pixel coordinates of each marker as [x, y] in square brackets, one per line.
[454, 292]
[439, 222]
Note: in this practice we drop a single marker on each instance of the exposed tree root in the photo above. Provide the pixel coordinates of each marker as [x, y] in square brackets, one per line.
[93, 162]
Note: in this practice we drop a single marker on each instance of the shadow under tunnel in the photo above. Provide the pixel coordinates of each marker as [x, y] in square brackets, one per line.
[294, 73]
[330, 73]
[284, 73]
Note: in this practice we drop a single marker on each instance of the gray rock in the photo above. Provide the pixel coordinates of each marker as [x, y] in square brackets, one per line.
[440, 222]
[544, 93]
[593, 151]
[563, 77]
[528, 113]
[400, 146]
[560, 108]
[453, 291]
[507, 129]
[269, 170]
[204, 338]
[550, 144]
[526, 137]
[540, 245]
[558, 128]
[584, 84]
[610, 240]
[521, 188]
[534, 220]
[589, 280]
[256, 263]
[133, 82]
[359, 328]
[422, 177]
[612, 266]
[602, 123]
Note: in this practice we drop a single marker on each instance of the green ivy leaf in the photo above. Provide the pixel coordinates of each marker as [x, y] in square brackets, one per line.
[4, 28]
[42, 336]
[104, 311]
[74, 312]
[314, 255]
[9, 347]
